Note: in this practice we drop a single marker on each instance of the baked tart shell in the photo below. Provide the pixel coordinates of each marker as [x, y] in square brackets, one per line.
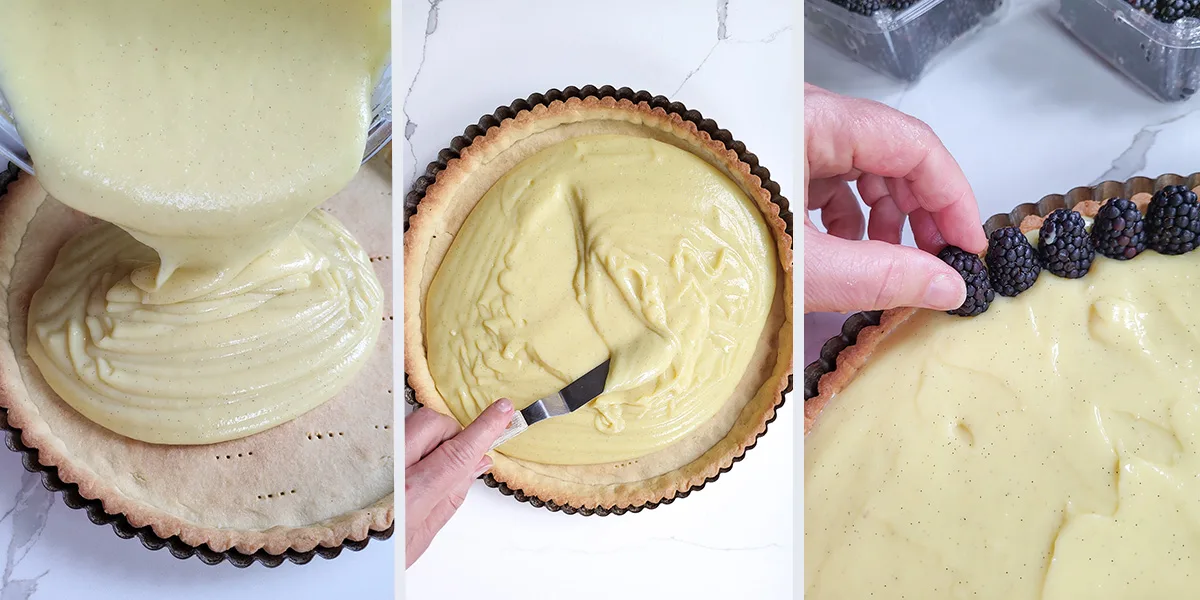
[26, 404]
[668, 121]
[843, 355]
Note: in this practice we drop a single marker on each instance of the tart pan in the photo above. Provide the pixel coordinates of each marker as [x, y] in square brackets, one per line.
[827, 362]
[152, 541]
[417, 193]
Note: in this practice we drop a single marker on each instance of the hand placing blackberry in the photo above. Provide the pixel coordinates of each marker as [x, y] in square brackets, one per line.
[846, 139]
[979, 289]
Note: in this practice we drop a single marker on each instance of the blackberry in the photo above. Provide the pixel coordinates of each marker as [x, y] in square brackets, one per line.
[1064, 245]
[1012, 263]
[899, 5]
[1169, 11]
[1173, 220]
[1119, 230]
[1146, 6]
[979, 290]
[862, 7]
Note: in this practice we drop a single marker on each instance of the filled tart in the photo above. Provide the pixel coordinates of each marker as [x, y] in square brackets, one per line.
[318, 480]
[1039, 443]
[592, 228]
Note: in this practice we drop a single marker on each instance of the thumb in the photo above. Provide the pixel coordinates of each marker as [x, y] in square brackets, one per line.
[845, 276]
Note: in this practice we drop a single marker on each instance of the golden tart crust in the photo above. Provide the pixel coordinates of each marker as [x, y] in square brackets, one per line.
[850, 360]
[664, 474]
[320, 480]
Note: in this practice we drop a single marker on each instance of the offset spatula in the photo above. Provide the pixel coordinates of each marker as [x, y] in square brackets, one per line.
[565, 401]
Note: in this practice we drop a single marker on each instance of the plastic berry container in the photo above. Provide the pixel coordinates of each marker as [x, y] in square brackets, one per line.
[901, 43]
[1162, 58]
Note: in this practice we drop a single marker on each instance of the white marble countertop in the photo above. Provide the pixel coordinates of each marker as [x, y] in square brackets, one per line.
[729, 60]
[1027, 111]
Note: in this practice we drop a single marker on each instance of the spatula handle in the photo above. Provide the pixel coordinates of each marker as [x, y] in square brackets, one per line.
[515, 427]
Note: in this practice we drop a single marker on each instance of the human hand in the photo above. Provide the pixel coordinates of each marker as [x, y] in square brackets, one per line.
[903, 173]
[440, 464]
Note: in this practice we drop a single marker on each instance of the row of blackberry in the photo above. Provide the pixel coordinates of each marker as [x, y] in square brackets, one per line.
[1168, 11]
[1067, 249]
[870, 7]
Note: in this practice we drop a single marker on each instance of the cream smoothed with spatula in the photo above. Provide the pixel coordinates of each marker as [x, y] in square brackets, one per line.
[214, 302]
[597, 247]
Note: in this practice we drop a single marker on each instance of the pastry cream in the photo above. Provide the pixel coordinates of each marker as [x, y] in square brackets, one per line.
[207, 131]
[1047, 449]
[284, 335]
[595, 247]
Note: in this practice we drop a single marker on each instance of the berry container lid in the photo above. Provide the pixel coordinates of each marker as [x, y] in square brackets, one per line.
[1161, 58]
[899, 43]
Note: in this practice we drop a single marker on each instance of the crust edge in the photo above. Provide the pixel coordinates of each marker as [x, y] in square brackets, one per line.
[506, 473]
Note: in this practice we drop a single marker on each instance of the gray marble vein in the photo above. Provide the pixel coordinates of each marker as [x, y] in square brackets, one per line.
[903, 93]
[1132, 160]
[766, 39]
[410, 127]
[28, 518]
[723, 37]
[697, 69]
[722, 14]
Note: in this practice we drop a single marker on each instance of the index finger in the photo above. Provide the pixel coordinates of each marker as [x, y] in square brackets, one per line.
[844, 135]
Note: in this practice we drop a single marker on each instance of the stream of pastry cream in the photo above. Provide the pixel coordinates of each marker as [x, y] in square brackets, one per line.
[1047, 449]
[214, 301]
[602, 246]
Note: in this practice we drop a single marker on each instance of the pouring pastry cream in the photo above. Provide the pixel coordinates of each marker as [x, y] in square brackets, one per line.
[213, 302]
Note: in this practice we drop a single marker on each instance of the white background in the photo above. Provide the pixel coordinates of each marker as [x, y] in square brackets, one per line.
[732, 62]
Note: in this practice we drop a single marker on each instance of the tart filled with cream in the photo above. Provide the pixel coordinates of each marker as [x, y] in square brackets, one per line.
[1041, 447]
[183, 318]
[592, 229]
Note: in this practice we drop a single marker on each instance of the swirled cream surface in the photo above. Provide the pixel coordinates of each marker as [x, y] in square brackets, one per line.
[602, 246]
[1047, 449]
[205, 131]
[283, 335]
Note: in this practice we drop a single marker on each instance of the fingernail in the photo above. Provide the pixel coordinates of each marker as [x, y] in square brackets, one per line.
[504, 405]
[484, 464]
[945, 292]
